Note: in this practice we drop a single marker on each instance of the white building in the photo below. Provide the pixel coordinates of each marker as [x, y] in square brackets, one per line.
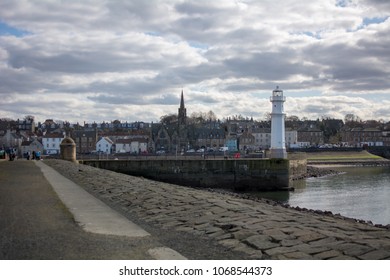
[263, 138]
[278, 139]
[122, 146]
[132, 146]
[291, 138]
[104, 145]
[51, 143]
[138, 146]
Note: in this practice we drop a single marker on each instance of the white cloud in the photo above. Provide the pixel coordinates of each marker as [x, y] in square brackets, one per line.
[105, 60]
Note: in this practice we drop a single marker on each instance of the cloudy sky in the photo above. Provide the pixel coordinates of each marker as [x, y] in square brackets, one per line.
[95, 60]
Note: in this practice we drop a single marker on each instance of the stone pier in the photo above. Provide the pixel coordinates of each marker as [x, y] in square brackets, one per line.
[236, 174]
[258, 229]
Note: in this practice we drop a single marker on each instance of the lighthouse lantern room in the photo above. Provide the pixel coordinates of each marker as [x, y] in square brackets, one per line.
[278, 142]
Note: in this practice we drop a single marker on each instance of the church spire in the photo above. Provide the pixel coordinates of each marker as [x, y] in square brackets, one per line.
[182, 116]
[182, 100]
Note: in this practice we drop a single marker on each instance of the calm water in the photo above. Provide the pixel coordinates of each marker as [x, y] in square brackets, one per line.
[361, 192]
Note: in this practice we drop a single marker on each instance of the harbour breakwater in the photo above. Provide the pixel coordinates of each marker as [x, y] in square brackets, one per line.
[236, 174]
[258, 228]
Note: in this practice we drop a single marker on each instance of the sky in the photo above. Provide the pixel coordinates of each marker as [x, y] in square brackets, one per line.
[103, 60]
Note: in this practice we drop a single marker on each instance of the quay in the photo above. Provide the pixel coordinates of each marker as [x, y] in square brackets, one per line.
[239, 174]
[195, 223]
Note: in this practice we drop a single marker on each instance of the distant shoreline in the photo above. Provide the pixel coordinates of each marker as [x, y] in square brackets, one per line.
[317, 168]
[342, 158]
[339, 163]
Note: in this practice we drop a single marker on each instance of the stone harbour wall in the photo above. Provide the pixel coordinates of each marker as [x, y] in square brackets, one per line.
[297, 165]
[237, 174]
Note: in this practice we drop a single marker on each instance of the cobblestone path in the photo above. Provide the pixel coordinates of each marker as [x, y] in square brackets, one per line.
[256, 228]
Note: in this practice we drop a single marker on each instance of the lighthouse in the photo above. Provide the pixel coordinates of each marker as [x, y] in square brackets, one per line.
[278, 142]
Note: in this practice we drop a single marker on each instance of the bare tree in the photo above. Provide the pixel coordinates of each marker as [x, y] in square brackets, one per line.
[168, 119]
[351, 118]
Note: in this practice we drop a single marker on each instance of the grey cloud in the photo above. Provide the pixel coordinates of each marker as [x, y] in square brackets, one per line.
[379, 5]
[249, 36]
[197, 8]
[276, 65]
[99, 58]
[217, 47]
[25, 81]
[135, 99]
[205, 99]
[357, 67]
[242, 87]
[179, 76]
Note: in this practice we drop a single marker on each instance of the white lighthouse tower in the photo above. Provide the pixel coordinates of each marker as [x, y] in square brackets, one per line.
[278, 142]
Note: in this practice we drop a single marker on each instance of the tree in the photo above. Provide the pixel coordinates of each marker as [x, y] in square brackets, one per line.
[201, 117]
[211, 116]
[267, 116]
[29, 118]
[292, 122]
[335, 139]
[197, 118]
[292, 118]
[372, 124]
[168, 119]
[351, 120]
[331, 128]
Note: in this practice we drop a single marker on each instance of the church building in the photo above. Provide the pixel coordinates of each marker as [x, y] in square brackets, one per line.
[171, 137]
[179, 135]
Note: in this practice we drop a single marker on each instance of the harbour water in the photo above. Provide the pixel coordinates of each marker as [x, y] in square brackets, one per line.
[359, 192]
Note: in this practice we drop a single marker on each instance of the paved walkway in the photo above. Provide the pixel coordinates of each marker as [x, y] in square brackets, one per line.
[89, 212]
[258, 229]
[34, 224]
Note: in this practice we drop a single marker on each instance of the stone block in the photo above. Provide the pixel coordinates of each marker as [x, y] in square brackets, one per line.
[260, 242]
[353, 249]
[279, 251]
[311, 236]
[328, 254]
[229, 243]
[242, 234]
[290, 242]
[298, 256]
[306, 248]
[276, 235]
[379, 254]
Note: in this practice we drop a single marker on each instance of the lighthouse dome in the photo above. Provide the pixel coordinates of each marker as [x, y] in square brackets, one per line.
[277, 92]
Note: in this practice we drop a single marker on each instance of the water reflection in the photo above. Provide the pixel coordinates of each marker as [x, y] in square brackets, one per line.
[281, 196]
